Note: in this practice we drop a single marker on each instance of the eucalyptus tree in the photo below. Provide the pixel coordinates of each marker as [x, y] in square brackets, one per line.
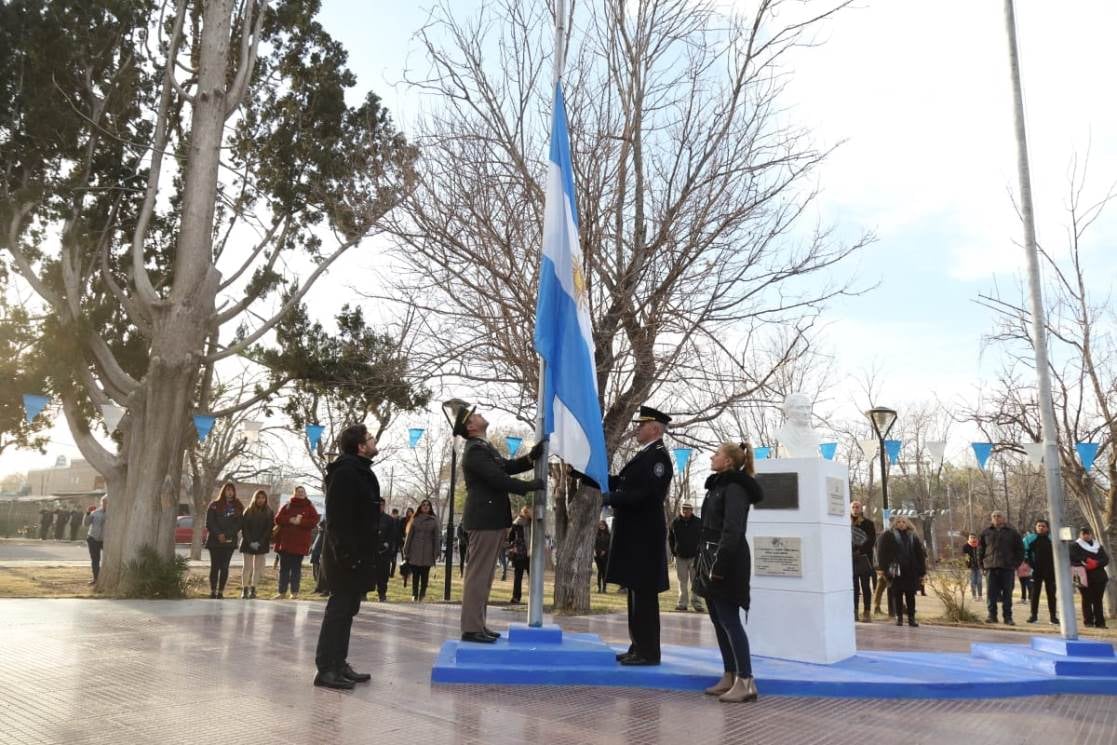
[174, 177]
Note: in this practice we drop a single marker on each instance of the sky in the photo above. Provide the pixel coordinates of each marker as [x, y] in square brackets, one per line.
[917, 97]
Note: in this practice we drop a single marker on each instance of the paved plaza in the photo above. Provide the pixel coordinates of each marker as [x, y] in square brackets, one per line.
[200, 671]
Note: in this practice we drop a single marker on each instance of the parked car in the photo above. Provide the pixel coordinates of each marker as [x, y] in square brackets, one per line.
[184, 530]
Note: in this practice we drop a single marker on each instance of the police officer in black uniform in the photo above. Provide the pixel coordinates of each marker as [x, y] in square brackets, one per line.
[638, 553]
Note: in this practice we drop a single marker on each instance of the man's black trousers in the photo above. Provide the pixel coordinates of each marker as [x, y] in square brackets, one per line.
[333, 639]
[643, 622]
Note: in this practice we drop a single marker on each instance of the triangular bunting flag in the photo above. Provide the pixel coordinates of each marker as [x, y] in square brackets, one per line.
[112, 414]
[1087, 452]
[203, 423]
[513, 444]
[1034, 451]
[828, 450]
[937, 449]
[869, 446]
[682, 457]
[252, 431]
[892, 447]
[314, 434]
[761, 453]
[33, 405]
[982, 451]
[414, 435]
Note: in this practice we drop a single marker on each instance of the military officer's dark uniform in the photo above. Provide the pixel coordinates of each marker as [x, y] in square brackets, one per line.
[638, 553]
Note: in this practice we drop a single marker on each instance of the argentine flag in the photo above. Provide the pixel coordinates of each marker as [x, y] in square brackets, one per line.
[571, 413]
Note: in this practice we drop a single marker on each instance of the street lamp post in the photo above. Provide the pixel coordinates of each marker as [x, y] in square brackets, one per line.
[456, 412]
[882, 419]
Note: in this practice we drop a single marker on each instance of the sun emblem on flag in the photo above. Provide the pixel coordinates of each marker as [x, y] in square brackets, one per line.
[580, 288]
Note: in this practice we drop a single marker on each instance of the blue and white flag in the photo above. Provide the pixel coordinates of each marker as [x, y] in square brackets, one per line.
[563, 335]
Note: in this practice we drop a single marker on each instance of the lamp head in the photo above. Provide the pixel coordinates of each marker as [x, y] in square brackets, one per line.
[882, 419]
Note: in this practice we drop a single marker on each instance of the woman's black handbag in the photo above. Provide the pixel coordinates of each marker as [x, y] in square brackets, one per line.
[703, 565]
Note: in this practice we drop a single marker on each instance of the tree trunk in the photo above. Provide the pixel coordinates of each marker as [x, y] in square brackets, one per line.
[574, 566]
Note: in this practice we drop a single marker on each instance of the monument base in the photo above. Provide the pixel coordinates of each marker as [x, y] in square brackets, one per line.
[534, 657]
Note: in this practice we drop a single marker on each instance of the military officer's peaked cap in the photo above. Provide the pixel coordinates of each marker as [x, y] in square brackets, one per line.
[648, 414]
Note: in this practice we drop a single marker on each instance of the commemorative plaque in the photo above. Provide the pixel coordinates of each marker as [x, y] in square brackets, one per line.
[781, 491]
[778, 556]
[835, 496]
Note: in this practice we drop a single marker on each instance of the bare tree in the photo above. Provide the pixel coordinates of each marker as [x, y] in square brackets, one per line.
[1082, 327]
[693, 190]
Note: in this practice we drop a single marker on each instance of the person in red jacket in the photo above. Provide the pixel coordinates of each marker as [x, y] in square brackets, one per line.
[295, 522]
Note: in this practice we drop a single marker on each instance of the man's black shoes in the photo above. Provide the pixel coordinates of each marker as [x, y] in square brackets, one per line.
[333, 679]
[493, 634]
[478, 637]
[635, 660]
[348, 672]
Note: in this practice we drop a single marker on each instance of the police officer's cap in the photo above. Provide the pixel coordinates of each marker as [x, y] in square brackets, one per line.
[648, 414]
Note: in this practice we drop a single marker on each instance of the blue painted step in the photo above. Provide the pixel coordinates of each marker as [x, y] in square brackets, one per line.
[1017, 656]
[1065, 648]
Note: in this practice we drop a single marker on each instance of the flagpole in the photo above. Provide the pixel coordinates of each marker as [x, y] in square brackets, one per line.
[539, 504]
[1067, 622]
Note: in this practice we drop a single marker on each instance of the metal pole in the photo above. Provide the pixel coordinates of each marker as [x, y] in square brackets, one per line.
[885, 515]
[1068, 625]
[450, 520]
[539, 504]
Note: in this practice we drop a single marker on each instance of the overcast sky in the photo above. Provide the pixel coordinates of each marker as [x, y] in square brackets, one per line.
[918, 93]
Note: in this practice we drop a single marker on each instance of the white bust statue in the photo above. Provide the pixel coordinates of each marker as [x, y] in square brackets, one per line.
[796, 437]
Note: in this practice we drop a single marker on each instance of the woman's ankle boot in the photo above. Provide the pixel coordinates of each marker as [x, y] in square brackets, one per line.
[721, 686]
[744, 689]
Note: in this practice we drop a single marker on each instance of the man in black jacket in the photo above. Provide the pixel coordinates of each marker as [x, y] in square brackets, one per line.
[1000, 551]
[349, 553]
[487, 517]
[682, 539]
[638, 555]
[864, 537]
[1040, 556]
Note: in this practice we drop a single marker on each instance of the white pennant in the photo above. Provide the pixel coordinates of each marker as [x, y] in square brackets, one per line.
[1034, 451]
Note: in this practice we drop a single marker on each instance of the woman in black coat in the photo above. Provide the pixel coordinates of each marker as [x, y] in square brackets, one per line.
[256, 527]
[223, 521]
[730, 492]
[901, 557]
[601, 553]
[1089, 554]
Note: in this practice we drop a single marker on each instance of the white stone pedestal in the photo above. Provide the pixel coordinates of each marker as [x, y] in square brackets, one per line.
[807, 618]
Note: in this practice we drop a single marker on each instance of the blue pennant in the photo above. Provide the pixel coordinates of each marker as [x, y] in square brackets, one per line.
[414, 435]
[828, 450]
[314, 435]
[33, 405]
[203, 423]
[892, 448]
[513, 444]
[682, 458]
[1087, 452]
[762, 453]
[982, 451]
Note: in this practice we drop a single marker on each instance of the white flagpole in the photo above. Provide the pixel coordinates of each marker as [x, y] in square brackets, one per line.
[1067, 623]
[539, 505]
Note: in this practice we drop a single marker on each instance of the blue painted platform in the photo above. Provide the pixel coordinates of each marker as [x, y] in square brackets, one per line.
[548, 656]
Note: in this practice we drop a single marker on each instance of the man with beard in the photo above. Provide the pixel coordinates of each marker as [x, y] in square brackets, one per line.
[349, 554]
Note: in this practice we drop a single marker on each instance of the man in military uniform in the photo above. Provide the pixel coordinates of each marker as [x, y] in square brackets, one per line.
[638, 554]
[488, 515]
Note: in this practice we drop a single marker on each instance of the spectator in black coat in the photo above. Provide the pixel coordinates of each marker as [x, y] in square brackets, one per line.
[45, 518]
[517, 549]
[387, 534]
[349, 554]
[75, 523]
[1001, 552]
[864, 540]
[900, 554]
[1040, 555]
[1087, 557]
[730, 493]
[682, 539]
[256, 530]
[973, 563]
[601, 543]
[223, 521]
[404, 523]
[61, 517]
